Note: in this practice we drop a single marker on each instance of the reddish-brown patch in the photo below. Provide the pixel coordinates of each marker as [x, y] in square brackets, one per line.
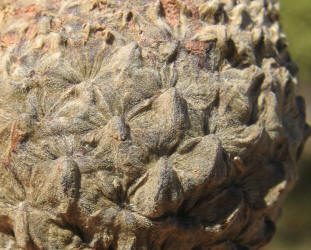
[171, 11]
[9, 38]
[31, 31]
[196, 47]
[29, 11]
[15, 137]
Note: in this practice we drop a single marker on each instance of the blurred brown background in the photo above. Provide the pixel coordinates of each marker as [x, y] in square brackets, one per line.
[294, 227]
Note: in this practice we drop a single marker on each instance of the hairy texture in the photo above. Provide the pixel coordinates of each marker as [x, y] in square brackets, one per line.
[145, 124]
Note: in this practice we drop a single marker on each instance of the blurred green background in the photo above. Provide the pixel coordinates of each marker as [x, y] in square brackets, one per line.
[294, 227]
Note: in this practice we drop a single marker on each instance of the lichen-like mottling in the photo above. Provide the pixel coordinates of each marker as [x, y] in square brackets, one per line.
[145, 124]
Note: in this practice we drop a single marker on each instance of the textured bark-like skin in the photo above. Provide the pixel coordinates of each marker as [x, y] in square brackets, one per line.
[145, 124]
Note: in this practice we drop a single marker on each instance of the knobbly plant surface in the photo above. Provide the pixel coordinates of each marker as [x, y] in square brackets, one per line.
[145, 124]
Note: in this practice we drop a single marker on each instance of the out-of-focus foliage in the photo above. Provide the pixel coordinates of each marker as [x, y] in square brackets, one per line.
[296, 22]
[294, 228]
